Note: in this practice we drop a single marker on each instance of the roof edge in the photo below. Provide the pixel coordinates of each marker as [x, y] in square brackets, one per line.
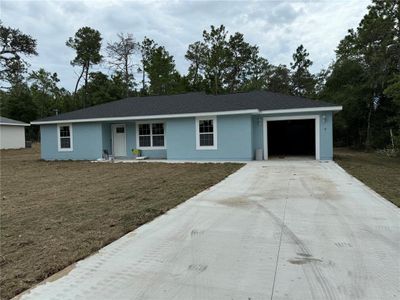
[185, 115]
[301, 110]
[14, 124]
[148, 117]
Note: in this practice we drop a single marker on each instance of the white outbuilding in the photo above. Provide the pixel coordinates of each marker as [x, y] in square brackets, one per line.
[12, 133]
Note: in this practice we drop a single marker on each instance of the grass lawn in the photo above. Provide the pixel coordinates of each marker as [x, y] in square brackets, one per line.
[55, 213]
[379, 172]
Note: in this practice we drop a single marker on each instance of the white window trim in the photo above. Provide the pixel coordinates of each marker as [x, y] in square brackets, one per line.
[214, 119]
[151, 136]
[71, 148]
[283, 118]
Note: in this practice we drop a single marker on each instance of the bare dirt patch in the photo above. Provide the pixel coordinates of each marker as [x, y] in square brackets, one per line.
[55, 213]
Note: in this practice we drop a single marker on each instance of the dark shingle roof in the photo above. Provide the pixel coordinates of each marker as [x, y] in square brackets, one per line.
[189, 103]
[7, 121]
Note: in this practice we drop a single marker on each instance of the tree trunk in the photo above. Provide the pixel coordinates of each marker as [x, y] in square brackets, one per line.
[368, 137]
[195, 77]
[79, 79]
[216, 83]
[235, 72]
[143, 80]
[86, 81]
[126, 77]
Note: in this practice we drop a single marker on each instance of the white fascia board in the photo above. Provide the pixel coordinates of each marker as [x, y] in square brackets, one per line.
[302, 110]
[14, 124]
[219, 113]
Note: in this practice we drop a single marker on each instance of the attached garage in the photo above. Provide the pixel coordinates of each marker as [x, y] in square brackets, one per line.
[296, 136]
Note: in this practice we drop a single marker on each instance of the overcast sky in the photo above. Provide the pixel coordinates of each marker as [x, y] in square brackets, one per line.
[277, 27]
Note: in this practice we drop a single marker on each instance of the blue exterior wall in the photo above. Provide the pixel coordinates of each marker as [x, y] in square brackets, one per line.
[106, 137]
[326, 136]
[257, 134]
[238, 137]
[234, 139]
[86, 137]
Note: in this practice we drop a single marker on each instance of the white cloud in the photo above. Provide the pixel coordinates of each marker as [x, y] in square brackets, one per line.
[277, 27]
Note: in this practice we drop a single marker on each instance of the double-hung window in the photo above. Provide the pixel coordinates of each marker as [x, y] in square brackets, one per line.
[151, 135]
[206, 133]
[64, 137]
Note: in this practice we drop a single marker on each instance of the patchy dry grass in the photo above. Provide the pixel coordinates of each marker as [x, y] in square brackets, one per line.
[379, 172]
[55, 213]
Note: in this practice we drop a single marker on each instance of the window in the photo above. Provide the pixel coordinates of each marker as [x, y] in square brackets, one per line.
[206, 130]
[120, 129]
[64, 137]
[151, 135]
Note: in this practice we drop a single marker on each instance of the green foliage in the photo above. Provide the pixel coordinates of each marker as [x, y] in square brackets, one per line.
[257, 74]
[220, 63]
[102, 89]
[160, 67]
[302, 81]
[146, 48]
[45, 93]
[365, 77]
[224, 63]
[136, 152]
[196, 54]
[240, 55]
[13, 45]
[279, 80]
[87, 44]
[347, 86]
[18, 103]
[393, 89]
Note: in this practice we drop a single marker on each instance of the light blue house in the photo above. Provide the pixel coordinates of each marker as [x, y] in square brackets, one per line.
[194, 126]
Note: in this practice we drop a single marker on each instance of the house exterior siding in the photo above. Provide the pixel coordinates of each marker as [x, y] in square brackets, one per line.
[234, 140]
[238, 138]
[86, 137]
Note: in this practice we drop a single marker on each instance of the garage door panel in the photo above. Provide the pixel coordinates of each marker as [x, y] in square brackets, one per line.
[291, 137]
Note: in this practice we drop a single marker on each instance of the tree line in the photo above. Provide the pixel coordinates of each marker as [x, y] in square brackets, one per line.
[364, 77]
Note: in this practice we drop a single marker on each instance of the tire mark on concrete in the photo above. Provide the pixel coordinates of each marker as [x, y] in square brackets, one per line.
[358, 264]
[327, 289]
[280, 240]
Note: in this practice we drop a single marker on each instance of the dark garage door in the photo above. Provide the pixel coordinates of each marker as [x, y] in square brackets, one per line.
[291, 138]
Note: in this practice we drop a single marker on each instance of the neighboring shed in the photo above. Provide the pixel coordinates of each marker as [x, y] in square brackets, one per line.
[12, 133]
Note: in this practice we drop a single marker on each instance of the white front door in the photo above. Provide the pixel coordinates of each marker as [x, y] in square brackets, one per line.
[119, 139]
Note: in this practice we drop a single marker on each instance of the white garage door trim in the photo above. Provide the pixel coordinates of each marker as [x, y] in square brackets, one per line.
[284, 118]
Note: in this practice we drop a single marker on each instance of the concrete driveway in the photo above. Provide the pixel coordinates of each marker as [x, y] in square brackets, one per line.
[272, 230]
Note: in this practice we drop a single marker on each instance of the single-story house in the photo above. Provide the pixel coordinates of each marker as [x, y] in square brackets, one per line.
[193, 126]
[12, 133]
